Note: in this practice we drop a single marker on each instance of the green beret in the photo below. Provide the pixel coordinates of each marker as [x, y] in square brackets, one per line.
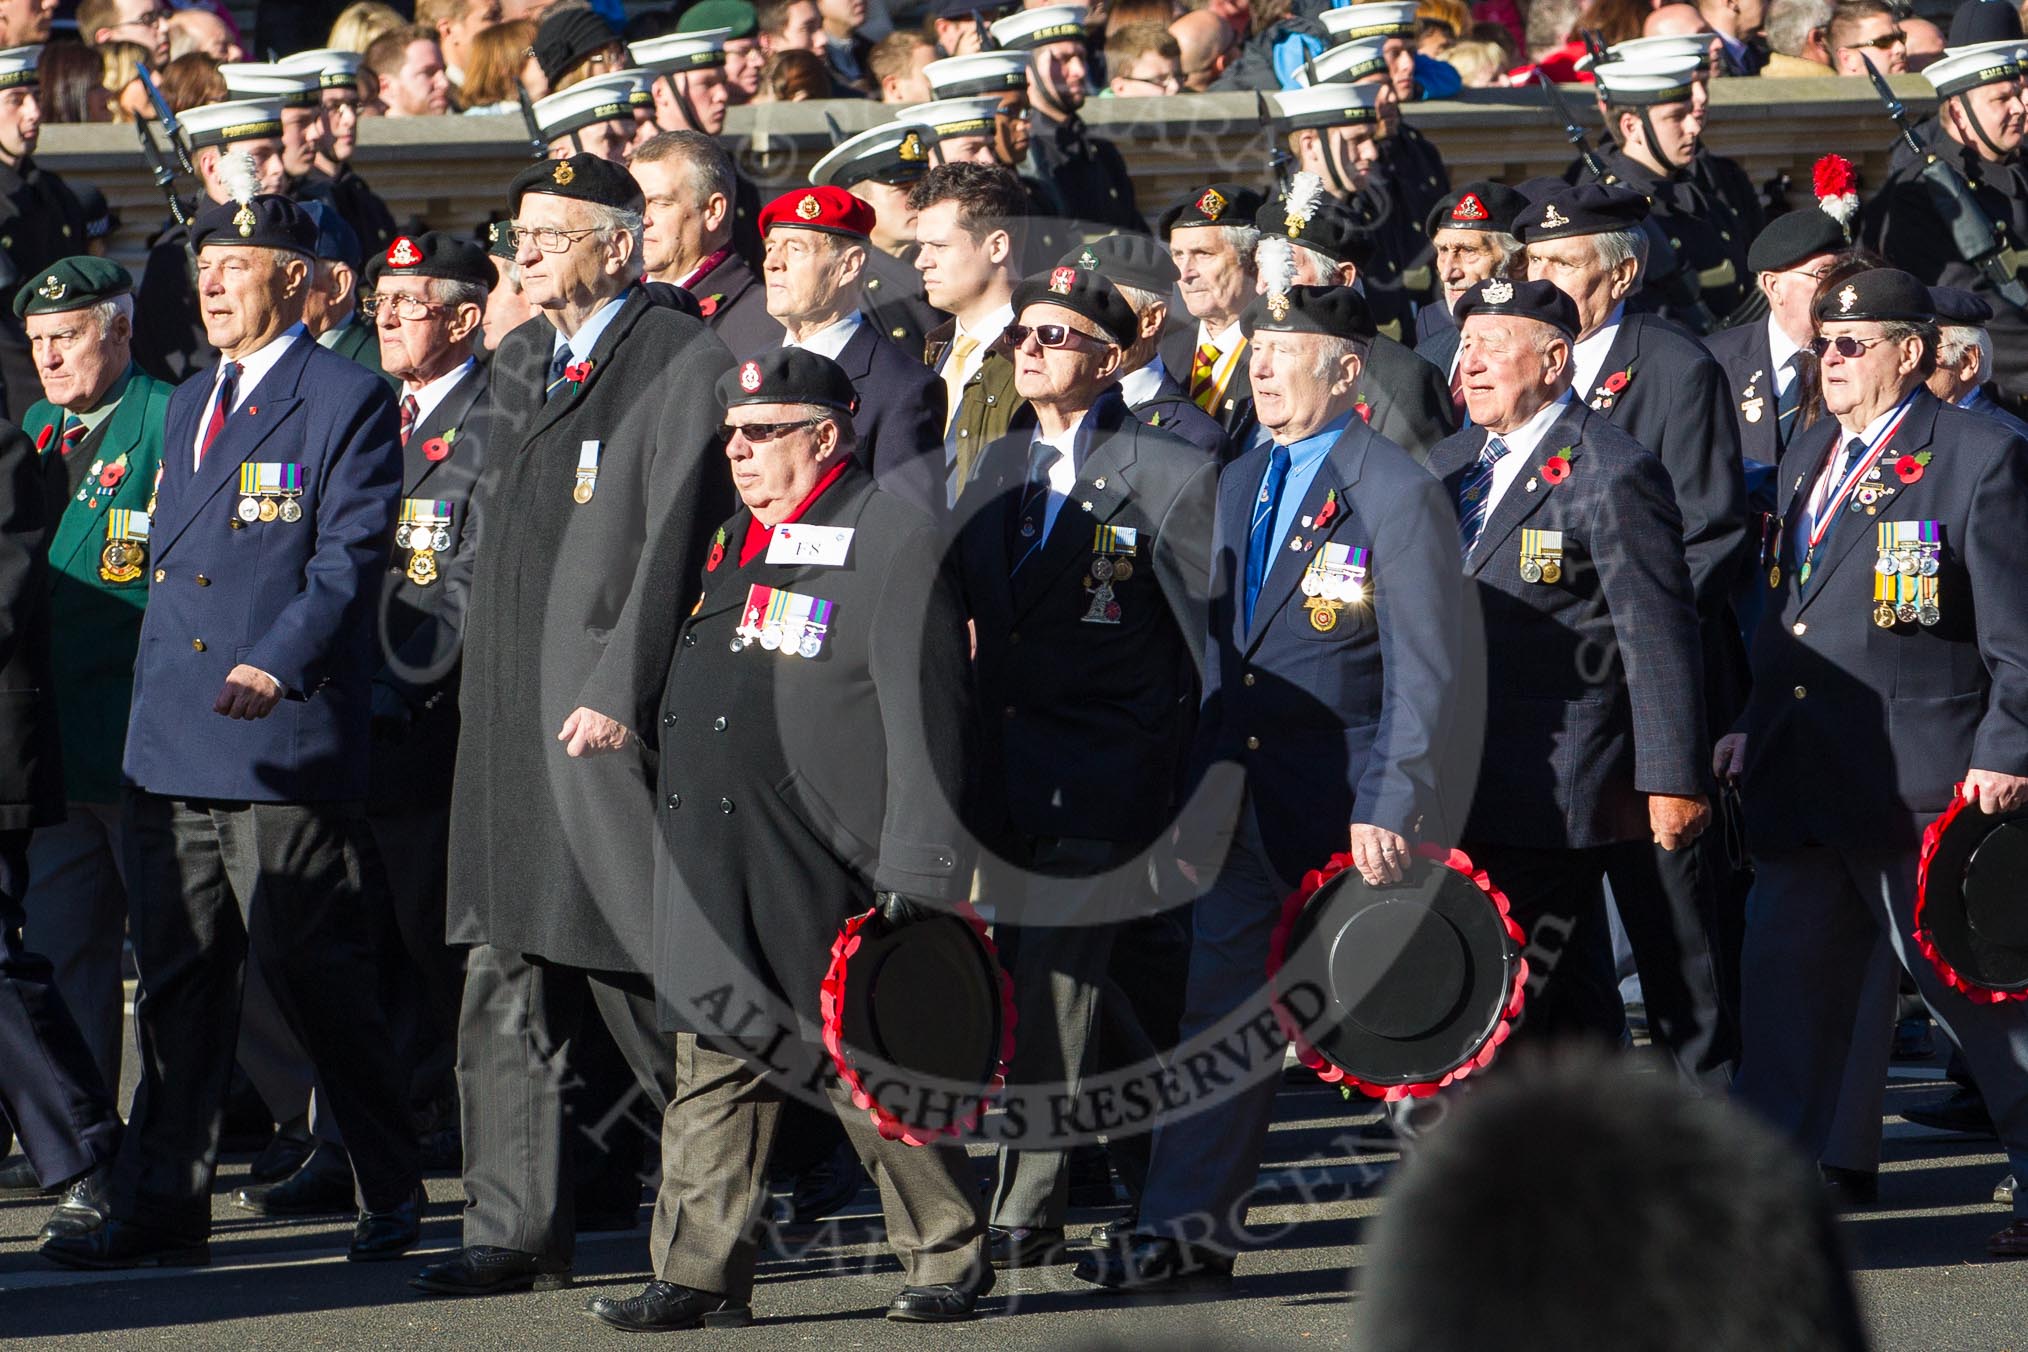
[737, 15]
[71, 284]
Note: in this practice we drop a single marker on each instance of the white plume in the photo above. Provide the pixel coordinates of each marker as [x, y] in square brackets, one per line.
[236, 171]
[1276, 260]
[1306, 192]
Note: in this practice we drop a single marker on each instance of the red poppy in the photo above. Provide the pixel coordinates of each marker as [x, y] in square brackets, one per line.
[1328, 511]
[708, 305]
[575, 372]
[1908, 469]
[110, 476]
[717, 555]
[48, 435]
[436, 448]
[1556, 469]
[1363, 410]
[1616, 382]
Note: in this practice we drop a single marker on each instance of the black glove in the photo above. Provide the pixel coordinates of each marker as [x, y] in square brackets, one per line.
[898, 910]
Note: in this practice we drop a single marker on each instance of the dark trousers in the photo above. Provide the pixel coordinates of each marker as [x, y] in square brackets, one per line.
[424, 976]
[50, 1088]
[1670, 902]
[1558, 899]
[209, 882]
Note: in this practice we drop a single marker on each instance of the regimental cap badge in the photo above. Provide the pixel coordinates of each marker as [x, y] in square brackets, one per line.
[1847, 298]
[243, 220]
[52, 288]
[1088, 261]
[1470, 208]
[809, 209]
[750, 377]
[493, 233]
[911, 150]
[1211, 205]
[403, 253]
[1498, 291]
[1553, 218]
[1061, 280]
[1278, 305]
[562, 174]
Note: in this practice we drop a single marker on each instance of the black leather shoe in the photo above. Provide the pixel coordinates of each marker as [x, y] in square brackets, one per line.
[1151, 1264]
[119, 1244]
[1019, 1247]
[826, 1186]
[485, 1270]
[322, 1187]
[1117, 1231]
[82, 1208]
[285, 1152]
[1962, 1110]
[2003, 1191]
[17, 1179]
[1846, 1188]
[665, 1307]
[381, 1235]
[1091, 1177]
[942, 1304]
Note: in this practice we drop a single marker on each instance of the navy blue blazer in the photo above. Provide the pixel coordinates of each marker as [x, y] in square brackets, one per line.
[1856, 734]
[1329, 728]
[1593, 682]
[1170, 409]
[900, 422]
[295, 599]
[1751, 386]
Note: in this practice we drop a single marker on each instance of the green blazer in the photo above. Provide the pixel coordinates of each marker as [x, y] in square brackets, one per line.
[97, 623]
[358, 342]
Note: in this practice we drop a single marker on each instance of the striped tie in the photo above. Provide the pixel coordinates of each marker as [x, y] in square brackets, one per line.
[557, 378]
[73, 432]
[1203, 382]
[1475, 495]
[409, 409]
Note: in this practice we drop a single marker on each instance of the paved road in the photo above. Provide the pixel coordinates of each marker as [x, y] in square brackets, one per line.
[1921, 1269]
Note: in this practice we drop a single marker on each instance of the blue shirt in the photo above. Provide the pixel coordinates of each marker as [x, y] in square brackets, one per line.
[1304, 458]
[587, 337]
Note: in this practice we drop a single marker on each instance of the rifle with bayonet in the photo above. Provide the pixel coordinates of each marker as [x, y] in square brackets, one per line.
[1278, 159]
[1972, 230]
[159, 166]
[537, 142]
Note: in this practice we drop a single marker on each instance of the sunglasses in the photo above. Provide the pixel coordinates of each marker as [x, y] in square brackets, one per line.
[1050, 335]
[1882, 43]
[1845, 345]
[758, 433]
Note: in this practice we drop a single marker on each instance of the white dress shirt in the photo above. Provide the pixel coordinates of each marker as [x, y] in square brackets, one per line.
[1523, 449]
[1062, 473]
[1587, 358]
[830, 340]
[252, 369]
[1138, 387]
[1781, 350]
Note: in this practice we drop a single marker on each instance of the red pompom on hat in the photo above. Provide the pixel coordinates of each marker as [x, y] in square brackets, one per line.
[831, 210]
[1836, 185]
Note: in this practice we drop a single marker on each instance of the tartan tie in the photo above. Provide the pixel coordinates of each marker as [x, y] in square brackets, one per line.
[1475, 495]
[1260, 544]
[1203, 377]
[221, 405]
[409, 409]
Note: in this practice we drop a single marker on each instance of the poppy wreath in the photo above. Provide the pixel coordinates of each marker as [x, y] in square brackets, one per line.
[1932, 837]
[831, 1004]
[1278, 944]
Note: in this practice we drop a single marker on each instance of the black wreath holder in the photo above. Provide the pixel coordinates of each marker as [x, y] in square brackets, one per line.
[1420, 981]
[917, 998]
[1970, 918]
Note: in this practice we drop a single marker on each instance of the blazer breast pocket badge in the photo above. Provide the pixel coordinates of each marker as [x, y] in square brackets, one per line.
[1335, 579]
[1113, 549]
[1906, 573]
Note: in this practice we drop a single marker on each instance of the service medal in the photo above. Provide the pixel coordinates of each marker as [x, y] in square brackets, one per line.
[1531, 571]
[1928, 615]
[810, 645]
[1905, 612]
[268, 511]
[582, 493]
[1324, 619]
[1552, 571]
[291, 511]
[440, 539]
[1928, 565]
[1123, 569]
[1774, 576]
[120, 562]
[771, 637]
[249, 510]
[1312, 585]
[401, 537]
[1102, 569]
[1905, 565]
[1884, 565]
[422, 568]
[1883, 615]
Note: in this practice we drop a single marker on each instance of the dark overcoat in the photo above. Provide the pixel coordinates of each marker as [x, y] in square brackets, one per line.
[31, 760]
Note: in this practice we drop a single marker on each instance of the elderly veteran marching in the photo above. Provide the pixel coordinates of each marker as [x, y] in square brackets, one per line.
[608, 487]
[40, 218]
[246, 750]
[1877, 671]
[814, 749]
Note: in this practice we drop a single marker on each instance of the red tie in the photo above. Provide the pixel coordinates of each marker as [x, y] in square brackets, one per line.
[409, 409]
[220, 407]
[73, 433]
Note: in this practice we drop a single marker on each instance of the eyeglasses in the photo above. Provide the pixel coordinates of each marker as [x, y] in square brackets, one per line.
[757, 433]
[548, 238]
[411, 308]
[1050, 335]
[1845, 345]
[1168, 84]
[149, 20]
[1892, 38]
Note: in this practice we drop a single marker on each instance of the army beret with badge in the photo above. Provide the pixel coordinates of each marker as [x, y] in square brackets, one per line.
[1885, 295]
[267, 221]
[1026, 29]
[738, 18]
[1478, 205]
[1084, 293]
[1543, 302]
[1787, 240]
[1217, 204]
[434, 253]
[585, 178]
[893, 153]
[957, 77]
[566, 38]
[500, 239]
[1126, 260]
[1587, 209]
[1316, 220]
[1334, 311]
[71, 284]
[336, 243]
[825, 208]
[1954, 305]
[788, 375]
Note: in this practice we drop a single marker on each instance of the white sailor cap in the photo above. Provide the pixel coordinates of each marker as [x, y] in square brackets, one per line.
[891, 153]
[217, 124]
[1694, 45]
[290, 86]
[1327, 105]
[333, 68]
[18, 66]
[1648, 81]
[681, 51]
[947, 118]
[1025, 30]
[1384, 19]
[1346, 63]
[1962, 68]
[957, 77]
[604, 98]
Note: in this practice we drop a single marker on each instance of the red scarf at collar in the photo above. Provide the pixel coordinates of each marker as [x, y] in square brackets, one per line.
[758, 536]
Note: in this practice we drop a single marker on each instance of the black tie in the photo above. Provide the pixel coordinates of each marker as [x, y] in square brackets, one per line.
[1789, 400]
[1024, 535]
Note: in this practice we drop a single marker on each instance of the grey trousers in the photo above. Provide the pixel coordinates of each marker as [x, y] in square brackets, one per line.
[716, 1138]
[1815, 921]
[515, 1030]
[77, 918]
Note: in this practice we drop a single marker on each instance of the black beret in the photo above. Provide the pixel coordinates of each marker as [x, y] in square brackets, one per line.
[1884, 294]
[584, 177]
[1954, 305]
[1587, 209]
[71, 284]
[1540, 188]
[336, 243]
[987, 10]
[434, 253]
[789, 375]
[1543, 302]
[1331, 228]
[568, 37]
[1337, 311]
[1130, 260]
[1789, 239]
[1085, 293]
[1479, 205]
[1219, 204]
[267, 222]
[1984, 21]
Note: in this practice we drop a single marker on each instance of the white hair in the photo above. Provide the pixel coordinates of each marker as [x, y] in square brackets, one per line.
[1139, 299]
[105, 310]
[1330, 351]
[613, 221]
[1615, 247]
[1954, 340]
[1244, 239]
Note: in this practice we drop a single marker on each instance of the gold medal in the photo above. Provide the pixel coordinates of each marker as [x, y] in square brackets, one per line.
[1883, 615]
[1324, 618]
[1122, 570]
[1552, 571]
[582, 493]
[1774, 576]
[422, 567]
[120, 562]
[268, 510]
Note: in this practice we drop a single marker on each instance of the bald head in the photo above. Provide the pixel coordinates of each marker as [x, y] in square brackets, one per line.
[1205, 40]
[1674, 21]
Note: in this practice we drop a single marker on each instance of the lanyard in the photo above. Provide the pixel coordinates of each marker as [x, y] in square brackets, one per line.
[1820, 521]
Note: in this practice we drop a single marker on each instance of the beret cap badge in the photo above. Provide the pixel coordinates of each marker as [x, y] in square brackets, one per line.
[1211, 205]
[750, 377]
[52, 288]
[1088, 261]
[562, 174]
[911, 148]
[809, 208]
[244, 220]
[1470, 208]
[1061, 280]
[1278, 305]
[1499, 291]
[1847, 298]
[403, 253]
[1553, 218]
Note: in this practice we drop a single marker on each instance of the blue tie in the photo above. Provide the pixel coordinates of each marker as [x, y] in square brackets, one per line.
[1260, 542]
[1475, 496]
[556, 376]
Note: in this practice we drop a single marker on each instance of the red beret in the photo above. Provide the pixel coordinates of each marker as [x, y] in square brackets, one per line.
[832, 210]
